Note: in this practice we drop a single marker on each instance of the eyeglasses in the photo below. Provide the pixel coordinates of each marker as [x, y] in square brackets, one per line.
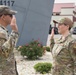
[62, 24]
[9, 15]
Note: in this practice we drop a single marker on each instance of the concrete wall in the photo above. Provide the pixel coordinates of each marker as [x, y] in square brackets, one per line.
[33, 19]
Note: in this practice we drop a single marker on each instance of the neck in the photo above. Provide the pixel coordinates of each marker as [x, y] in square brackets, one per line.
[3, 24]
[65, 34]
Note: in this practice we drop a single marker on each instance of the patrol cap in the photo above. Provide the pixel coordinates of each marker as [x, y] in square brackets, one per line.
[6, 10]
[65, 21]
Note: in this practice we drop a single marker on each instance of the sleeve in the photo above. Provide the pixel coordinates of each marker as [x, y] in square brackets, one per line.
[51, 44]
[72, 49]
[9, 44]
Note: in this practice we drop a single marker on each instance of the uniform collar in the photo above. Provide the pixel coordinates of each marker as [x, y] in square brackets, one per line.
[4, 28]
[63, 40]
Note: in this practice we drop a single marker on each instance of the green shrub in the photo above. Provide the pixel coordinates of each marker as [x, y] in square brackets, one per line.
[43, 67]
[33, 50]
[47, 48]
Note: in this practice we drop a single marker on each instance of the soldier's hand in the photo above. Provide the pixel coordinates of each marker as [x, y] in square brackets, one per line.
[52, 33]
[13, 24]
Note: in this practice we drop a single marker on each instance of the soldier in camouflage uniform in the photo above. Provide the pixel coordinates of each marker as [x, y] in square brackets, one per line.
[7, 42]
[64, 49]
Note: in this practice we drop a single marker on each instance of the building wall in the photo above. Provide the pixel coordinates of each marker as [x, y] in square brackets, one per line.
[67, 11]
[74, 24]
[33, 19]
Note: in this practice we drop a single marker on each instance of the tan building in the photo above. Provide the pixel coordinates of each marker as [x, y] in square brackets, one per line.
[64, 10]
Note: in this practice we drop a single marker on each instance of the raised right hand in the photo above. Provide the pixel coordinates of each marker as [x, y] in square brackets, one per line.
[52, 33]
[13, 24]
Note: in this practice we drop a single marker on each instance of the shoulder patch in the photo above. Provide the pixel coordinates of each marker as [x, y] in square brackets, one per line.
[72, 46]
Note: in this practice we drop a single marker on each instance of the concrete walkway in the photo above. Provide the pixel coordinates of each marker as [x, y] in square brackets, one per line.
[25, 67]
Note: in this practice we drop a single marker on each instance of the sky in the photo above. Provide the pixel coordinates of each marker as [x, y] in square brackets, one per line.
[65, 1]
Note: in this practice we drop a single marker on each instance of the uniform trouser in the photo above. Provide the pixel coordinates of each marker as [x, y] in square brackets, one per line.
[62, 70]
[7, 66]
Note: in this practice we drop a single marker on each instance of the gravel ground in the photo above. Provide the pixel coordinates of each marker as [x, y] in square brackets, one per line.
[25, 67]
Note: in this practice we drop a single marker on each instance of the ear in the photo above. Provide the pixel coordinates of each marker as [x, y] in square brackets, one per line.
[67, 26]
[3, 17]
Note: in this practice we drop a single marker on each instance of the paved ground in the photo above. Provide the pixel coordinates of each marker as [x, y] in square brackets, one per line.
[25, 67]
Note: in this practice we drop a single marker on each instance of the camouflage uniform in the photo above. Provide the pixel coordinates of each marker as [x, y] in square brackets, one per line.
[7, 44]
[64, 55]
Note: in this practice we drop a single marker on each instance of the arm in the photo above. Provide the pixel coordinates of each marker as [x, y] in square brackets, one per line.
[72, 49]
[10, 43]
[52, 40]
[51, 44]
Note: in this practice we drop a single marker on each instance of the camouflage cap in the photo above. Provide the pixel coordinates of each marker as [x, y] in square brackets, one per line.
[6, 10]
[65, 20]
